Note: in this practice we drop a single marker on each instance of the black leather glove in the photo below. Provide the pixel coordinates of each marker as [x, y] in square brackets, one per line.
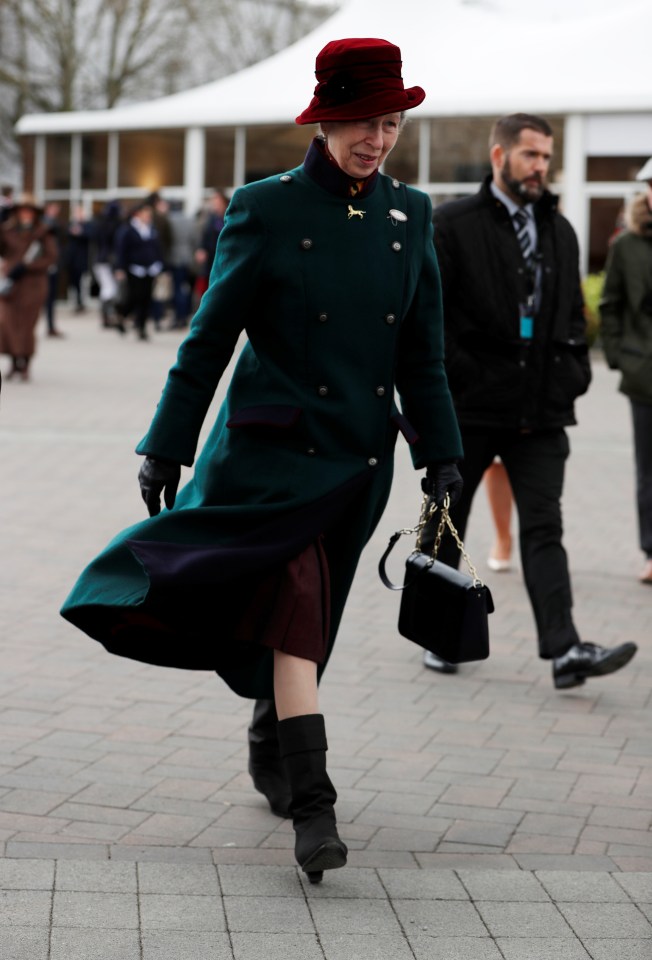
[17, 272]
[156, 476]
[442, 479]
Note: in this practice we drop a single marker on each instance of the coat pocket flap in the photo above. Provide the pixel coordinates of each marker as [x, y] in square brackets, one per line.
[405, 427]
[579, 347]
[266, 415]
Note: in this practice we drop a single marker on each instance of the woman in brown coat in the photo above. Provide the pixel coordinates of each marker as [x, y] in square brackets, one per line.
[27, 248]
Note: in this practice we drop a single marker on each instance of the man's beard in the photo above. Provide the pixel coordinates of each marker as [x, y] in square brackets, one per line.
[529, 190]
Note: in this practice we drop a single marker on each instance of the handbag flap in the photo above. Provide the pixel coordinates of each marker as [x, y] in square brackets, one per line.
[445, 610]
[417, 563]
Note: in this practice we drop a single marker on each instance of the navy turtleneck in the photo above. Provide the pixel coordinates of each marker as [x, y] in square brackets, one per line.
[324, 171]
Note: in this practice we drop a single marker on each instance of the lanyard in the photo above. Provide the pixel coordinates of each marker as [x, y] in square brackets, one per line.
[527, 307]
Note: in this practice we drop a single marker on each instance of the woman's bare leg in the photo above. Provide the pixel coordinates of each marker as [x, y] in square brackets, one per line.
[295, 686]
[499, 495]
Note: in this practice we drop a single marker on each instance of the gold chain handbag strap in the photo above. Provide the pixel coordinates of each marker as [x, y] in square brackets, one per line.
[428, 510]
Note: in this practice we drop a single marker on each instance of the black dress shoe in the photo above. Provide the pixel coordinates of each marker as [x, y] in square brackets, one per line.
[585, 660]
[433, 662]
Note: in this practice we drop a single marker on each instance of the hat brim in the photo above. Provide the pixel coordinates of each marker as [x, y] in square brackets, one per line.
[376, 105]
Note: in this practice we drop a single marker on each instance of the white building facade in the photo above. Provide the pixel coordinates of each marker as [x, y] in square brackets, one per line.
[582, 65]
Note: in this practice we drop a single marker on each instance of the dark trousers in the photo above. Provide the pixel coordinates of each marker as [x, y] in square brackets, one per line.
[53, 285]
[535, 465]
[642, 420]
[137, 301]
[75, 278]
[182, 296]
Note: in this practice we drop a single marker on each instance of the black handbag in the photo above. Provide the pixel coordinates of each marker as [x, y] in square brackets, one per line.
[442, 609]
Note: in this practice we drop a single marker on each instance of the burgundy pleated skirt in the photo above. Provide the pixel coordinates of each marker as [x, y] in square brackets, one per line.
[289, 608]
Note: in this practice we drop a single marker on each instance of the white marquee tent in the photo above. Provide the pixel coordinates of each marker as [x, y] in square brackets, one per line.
[587, 61]
[471, 56]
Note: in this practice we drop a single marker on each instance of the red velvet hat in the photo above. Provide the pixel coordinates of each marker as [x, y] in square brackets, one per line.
[359, 78]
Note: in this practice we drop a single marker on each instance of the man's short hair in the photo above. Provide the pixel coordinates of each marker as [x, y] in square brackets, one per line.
[507, 130]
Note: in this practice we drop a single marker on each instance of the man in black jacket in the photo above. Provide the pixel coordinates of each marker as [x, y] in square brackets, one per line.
[516, 358]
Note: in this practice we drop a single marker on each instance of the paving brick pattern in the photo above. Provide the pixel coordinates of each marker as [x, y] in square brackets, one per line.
[487, 815]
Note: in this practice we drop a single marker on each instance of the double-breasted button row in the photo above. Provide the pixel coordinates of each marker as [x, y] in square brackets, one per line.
[371, 461]
[389, 318]
[307, 244]
[323, 390]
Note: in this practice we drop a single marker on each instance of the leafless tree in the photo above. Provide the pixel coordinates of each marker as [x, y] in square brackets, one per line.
[81, 54]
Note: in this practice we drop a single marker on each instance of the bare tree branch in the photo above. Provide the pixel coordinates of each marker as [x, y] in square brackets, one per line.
[84, 54]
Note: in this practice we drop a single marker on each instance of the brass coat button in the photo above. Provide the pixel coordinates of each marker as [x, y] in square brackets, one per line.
[396, 246]
[322, 391]
[323, 317]
[372, 461]
[390, 318]
[306, 244]
[380, 391]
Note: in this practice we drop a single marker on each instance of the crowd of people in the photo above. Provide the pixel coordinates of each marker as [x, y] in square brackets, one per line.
[473, 318]
[147, 264]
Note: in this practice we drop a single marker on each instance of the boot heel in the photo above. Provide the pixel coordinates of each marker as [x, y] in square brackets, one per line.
[302, 743]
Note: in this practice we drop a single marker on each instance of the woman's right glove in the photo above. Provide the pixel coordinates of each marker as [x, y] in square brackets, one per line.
[156, 476]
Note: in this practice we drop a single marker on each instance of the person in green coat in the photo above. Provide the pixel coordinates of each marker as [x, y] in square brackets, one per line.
[331, 271]
[626, 331]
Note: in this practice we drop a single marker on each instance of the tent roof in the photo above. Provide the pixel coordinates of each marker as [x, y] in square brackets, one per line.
[473, 58]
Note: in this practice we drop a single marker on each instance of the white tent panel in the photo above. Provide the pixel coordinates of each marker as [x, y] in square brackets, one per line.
[473, 57]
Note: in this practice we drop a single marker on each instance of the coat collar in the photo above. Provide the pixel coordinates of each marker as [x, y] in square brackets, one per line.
[328, 175]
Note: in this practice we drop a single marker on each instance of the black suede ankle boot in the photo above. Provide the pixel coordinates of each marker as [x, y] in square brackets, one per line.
[265, 766]
[302, 743]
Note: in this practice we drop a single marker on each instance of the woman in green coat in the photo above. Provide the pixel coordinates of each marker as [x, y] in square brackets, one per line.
[331, 271]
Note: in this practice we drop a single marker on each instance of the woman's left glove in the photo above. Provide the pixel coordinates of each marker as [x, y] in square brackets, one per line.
[155, 477]
[442, 479]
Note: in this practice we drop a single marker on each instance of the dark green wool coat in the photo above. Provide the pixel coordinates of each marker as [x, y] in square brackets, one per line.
[340, 308]
[626, 304]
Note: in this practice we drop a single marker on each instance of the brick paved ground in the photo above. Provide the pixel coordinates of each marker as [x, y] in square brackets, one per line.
[487, 815]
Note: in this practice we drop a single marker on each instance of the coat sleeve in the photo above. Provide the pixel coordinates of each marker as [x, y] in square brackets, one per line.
[611, 307]
[461, 366]
[47, 255]
[420, 375]
[214, 332]
[122, 248]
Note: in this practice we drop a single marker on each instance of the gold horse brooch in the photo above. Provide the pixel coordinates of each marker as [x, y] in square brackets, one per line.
[355, 213]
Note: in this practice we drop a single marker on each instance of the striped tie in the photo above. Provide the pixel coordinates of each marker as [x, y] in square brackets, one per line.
[523, 234]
